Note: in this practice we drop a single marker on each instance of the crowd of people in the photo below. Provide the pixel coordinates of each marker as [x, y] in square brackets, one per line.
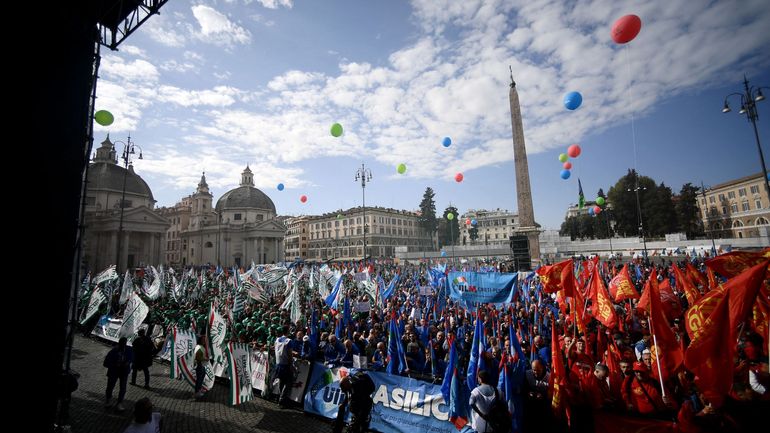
[605, 369]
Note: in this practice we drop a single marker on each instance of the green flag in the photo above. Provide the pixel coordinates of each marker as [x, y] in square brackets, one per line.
[581, 197]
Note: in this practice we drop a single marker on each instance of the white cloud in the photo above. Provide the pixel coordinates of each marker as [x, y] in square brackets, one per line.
[173, 65]
[220, 96]
[275, 4]
[162, 30]
[217, 29]
[116, 67]
[132, 50]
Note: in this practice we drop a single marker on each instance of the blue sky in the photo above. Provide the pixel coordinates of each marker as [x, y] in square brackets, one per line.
[213, 85]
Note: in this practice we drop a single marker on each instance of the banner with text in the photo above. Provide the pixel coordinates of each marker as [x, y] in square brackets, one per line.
[476, 288]
[401, 404]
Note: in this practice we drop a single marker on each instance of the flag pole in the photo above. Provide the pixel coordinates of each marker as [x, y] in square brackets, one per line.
[658, 356]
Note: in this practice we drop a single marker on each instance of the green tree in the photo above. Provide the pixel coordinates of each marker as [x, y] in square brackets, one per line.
[449, 231]
[687, 213]
[428, 212]
[622, 195]
[659, 213]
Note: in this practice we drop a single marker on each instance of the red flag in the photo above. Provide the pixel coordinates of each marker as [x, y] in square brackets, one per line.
[604, 311]
[700, 311]
[697, 277]
[685, 284]
[621, 286]
[558, 380]
[666, 351]
[731, 264]
[713, 284]
[551, 276]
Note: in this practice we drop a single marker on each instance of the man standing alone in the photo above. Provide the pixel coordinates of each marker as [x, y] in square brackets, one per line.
[143, 349]
[284, 366]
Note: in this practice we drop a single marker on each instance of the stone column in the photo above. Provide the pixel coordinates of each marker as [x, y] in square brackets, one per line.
[152, 259]
[262, 250]
[124, 254]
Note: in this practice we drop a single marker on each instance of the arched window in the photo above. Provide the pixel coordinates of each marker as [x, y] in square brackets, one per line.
[208, 245]
[761, 221]
[737, 223]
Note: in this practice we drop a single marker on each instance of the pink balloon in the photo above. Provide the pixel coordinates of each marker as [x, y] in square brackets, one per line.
[567, 165]
[303, 199]
[459, 177]
[597, 210]
[626, 28]
[573, 151]
[468, 222]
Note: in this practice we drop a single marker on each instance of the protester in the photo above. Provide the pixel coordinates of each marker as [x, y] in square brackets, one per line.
[284, 368]
[358, 388]
[200, 366]
[118, 362]
[143, 353]
[145, 420]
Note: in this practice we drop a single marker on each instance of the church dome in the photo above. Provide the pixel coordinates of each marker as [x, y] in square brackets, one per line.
[245, 197]
[109, 176]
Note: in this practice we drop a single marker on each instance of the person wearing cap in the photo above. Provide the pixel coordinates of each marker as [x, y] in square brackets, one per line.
[642, 394]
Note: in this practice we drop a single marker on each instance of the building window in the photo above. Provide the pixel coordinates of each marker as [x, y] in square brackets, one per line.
[712, 200]
[755, 189]
[745, 206]
[358, 220]
[358, 231]
[724, 210]
[758, 204]
[237, 217]
[734, 208]
[208, 245]
[742, 192]
[260, 217]
[127, 204]
[731, 194]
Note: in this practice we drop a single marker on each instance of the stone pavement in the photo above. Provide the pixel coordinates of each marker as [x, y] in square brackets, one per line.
[173, 399]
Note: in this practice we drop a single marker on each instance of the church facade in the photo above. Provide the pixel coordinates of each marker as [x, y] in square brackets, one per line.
[242, 228]
[121, 225]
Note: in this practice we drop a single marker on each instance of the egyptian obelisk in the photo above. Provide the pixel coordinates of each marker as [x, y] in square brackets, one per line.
[526, 225]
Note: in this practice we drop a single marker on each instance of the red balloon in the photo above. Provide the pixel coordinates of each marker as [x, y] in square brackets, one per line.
[597, 210]
[459, 177]
[626, 28]
[468, 222]
[303, 199]
[567, 165]
[573, 151]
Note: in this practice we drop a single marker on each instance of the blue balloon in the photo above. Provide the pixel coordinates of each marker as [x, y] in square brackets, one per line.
[572, 100]
[280, 187]
[447, 142]
[474, 222]
[591, 211]
[565, 174]
[443, 254]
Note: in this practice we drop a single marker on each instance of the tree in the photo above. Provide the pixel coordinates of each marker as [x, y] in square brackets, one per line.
[449, 231]
[660, 216]
[687, 213]
[473, 232]
[428, 212]
[622, 195]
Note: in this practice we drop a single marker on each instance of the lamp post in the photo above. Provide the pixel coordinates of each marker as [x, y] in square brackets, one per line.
[364, 175]
[129, 149]
[636, 189]
[749, 99]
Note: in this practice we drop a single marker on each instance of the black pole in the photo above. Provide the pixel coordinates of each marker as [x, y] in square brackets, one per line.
[751, 113]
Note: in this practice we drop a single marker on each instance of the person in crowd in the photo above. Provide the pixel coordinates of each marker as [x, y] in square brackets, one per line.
[199, 355]
[143, 354]
[284, 365]
[642, 394]
[118, 362]
[358, 389]
[145, 420]
[482, 398]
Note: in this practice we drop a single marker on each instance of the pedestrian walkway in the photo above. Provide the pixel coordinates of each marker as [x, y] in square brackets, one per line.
[173, 399]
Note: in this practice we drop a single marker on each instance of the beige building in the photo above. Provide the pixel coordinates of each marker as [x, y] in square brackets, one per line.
[494, 227]
[738, 208]
[179, 216]
[243, 227]
[141, 229]
[339, 235]
[297, 238]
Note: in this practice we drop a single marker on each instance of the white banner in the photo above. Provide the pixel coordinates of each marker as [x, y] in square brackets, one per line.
[302, 371]
[184, 342]
[216, 332]
[425, 290]
[239, 364]
[362, 307]
[93, 304]
[187, 368]
[136, 311]
[260, 367]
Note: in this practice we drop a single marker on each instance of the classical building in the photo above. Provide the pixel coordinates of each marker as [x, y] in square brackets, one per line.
[119, 204]
[243, 227]
[494, 227]
[179, 216]
[296, 242]
[339, 235]
[738, 208]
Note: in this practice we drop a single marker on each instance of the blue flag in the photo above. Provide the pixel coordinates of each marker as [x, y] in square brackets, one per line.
[391, 288]
[476, 362]
[452, 391]
[333, 299]
[396, 356]
[346, 315]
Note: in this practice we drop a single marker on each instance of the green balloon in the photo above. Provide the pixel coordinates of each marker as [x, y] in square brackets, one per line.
[104, 117]
[600, 201]
[450, 216]
[336, 130]
[563, 157]
[401, 168]
[339, 216]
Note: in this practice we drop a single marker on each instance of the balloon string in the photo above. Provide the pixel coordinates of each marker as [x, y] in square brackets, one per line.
[633, 123]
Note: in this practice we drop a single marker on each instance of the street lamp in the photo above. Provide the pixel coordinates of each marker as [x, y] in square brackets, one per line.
[129, 149]
[639, 210]
[749, 100]
[364, 175]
